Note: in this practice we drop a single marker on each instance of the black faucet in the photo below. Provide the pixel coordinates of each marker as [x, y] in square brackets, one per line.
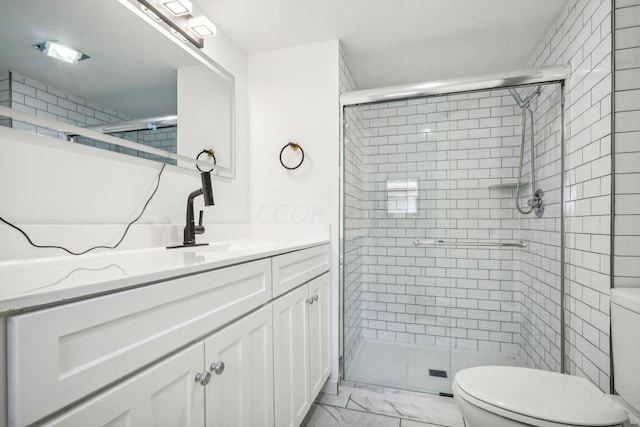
[190, 228]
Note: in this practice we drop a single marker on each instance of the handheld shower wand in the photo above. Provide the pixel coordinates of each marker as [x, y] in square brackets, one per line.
[536, 203]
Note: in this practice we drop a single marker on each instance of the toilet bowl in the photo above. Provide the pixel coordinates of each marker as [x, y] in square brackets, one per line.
[508, 396]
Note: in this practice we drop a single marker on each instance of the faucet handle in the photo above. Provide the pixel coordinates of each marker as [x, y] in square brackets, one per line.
[199, 229]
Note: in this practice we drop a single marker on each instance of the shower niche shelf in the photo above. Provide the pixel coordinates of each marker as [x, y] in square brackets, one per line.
[508, 184]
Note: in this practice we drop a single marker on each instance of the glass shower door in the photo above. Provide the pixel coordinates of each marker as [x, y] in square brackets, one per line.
[394, 291]
[443, 170]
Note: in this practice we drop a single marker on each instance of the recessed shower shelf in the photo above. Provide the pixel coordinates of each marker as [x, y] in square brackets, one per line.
[508, 184]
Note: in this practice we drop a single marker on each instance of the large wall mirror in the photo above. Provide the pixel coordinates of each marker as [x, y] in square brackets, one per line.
[141, 91]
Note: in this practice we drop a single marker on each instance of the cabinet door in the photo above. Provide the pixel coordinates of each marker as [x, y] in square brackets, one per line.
[319, 333]
[241, 393]
[93, 343]
[291, 358]
[164, 395]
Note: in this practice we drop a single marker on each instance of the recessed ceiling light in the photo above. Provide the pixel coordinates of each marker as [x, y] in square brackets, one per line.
[178, 7]
[61, 52]
[202, 27]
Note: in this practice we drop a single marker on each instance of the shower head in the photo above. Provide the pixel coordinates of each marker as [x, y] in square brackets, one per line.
[522, 103]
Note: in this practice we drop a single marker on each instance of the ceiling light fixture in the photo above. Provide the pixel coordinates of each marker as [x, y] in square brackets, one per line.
[178, 7]
[202, 26]
[181, 22]
[61, 52]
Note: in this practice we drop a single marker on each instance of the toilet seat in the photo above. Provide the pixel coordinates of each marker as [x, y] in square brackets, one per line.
[536, 397]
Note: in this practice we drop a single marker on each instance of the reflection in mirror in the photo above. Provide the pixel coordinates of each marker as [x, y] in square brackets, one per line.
[138, 83]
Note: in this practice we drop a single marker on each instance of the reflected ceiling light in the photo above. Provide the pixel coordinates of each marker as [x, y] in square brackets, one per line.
[151, 13]
[61, 52]
[179, 35]
[202, 27]
[178, 7]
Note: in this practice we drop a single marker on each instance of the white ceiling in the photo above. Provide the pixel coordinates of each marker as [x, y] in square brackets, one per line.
[387, 42]
[391, 42]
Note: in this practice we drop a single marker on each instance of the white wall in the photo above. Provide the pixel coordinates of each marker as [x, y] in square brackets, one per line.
[294, 96]
[48, 184]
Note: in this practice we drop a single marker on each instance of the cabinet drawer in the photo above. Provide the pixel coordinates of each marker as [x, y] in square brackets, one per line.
[58, 355]
[295, 268]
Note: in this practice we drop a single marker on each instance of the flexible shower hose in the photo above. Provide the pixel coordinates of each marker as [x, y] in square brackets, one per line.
[526, 108]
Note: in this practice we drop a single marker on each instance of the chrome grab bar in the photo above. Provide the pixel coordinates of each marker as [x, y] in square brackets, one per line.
[517, 244]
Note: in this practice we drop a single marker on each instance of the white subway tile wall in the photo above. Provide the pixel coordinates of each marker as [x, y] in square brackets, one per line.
[355, 224]
[627, 143]
[539, 270]
[491, 300]
[582, 37]
[5, 96]
[38, 98]
[440, 159]
[162, 138]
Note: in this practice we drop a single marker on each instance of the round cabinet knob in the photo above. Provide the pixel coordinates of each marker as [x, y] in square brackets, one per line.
[310, 300]
[315, 297]
[217, 367]
[203, 378]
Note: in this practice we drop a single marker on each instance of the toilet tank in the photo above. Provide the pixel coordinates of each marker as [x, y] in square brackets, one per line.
[625, 336]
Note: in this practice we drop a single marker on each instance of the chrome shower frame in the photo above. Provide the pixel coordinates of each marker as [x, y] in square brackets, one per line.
[553, 74]
[530, 76]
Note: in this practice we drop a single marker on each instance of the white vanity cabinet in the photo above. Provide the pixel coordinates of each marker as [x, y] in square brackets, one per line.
[319, 333]
[302, 321]
[163, 395]
[236, 389]
[59, 355]
[200, 350]
[295, 268]
[240, 361]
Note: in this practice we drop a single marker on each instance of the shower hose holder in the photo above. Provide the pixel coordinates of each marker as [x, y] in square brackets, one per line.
[537, 203]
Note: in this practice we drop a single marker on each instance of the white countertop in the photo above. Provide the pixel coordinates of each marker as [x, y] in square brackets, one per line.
[33, 283]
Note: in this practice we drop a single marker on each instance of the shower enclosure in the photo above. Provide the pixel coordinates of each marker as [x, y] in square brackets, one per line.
[440, 271]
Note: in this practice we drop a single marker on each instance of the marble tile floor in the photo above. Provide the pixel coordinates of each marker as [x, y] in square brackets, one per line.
[370, 406]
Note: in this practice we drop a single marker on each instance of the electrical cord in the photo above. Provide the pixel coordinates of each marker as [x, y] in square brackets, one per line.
[126, 230]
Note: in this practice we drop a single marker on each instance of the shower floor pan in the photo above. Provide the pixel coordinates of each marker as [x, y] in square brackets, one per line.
[407, 366]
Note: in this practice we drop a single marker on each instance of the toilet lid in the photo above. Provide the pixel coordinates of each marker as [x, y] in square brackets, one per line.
[540, 394]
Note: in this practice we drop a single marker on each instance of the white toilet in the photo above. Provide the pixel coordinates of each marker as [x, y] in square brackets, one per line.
[507, 396]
